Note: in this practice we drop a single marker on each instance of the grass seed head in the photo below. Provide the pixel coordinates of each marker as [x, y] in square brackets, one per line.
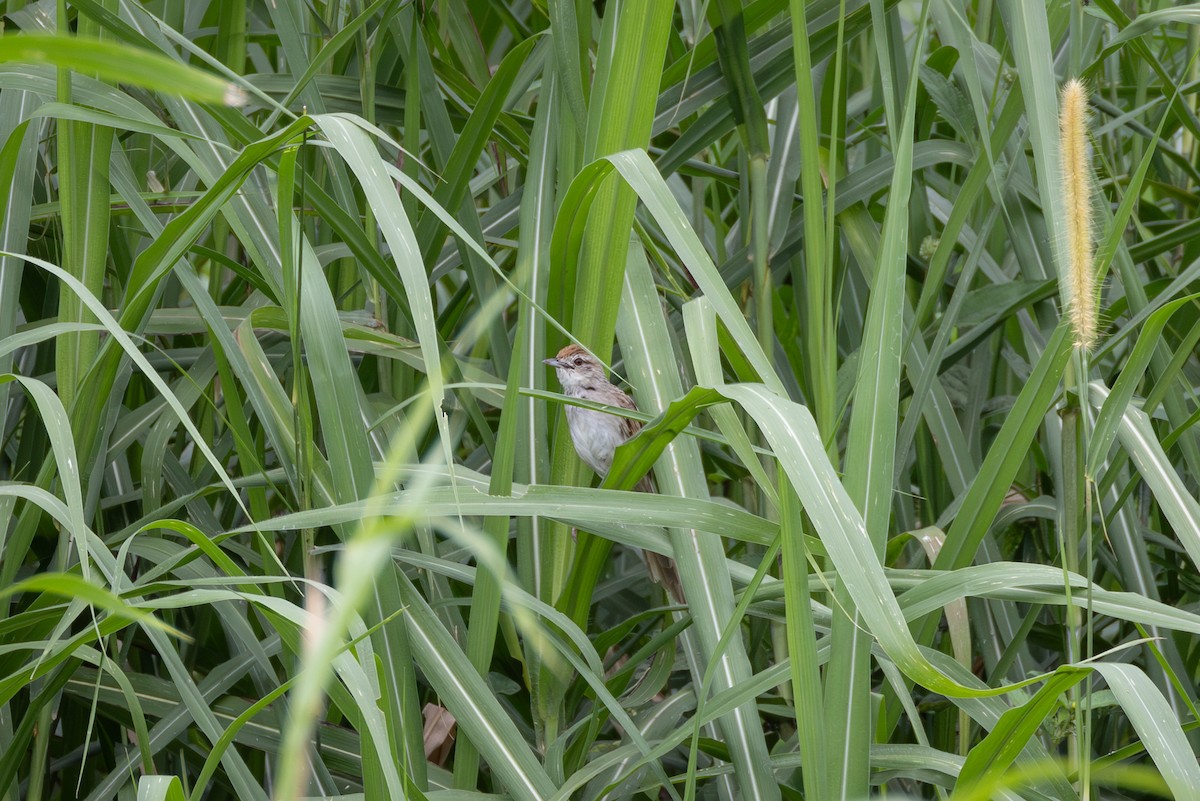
[1077, 200]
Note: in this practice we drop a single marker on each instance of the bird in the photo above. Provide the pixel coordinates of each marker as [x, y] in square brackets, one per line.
[596, 436]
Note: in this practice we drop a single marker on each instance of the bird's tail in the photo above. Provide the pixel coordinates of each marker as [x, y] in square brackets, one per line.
[662, 568]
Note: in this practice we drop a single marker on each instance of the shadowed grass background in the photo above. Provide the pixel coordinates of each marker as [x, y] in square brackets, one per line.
[282, 480]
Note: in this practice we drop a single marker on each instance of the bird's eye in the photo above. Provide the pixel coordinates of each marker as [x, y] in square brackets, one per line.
[578, 362]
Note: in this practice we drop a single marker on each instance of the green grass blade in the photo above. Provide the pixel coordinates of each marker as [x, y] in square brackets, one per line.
[113, 62]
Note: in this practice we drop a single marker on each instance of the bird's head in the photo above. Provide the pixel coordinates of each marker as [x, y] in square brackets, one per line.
[577, 368]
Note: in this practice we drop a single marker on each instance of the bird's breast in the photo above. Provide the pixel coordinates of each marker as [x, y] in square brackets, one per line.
[595, 435]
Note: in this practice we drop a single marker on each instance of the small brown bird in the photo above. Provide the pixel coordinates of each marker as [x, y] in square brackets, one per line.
[596, 436]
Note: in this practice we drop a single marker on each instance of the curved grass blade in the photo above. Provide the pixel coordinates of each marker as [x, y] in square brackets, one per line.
[120, 64]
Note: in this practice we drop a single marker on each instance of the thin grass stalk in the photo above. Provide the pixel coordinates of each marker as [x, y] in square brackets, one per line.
[759, 222]
[83, 155]
[1075, 531]
[231, 37]
[1191, 144]
[1080, 487]
[821, 364]
[16, 169]
[1070, 539]
[375, 299]
[404, 382]
[532, 269]
[485, 596]
[802, 643]
[16, 174]
[837, 144]
[729, 30]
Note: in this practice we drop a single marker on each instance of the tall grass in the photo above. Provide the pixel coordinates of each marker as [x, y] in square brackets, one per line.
[289, 506]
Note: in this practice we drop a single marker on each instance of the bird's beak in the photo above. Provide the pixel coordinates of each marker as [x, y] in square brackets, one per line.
[552, 362]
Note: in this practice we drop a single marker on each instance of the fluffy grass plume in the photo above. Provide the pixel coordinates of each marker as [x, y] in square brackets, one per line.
[1072, 122]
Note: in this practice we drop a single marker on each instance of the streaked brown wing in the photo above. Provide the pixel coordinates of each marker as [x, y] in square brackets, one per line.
[628, 427]
[662, 568]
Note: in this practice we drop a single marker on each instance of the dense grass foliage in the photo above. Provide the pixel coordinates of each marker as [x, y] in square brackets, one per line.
[288, 504]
